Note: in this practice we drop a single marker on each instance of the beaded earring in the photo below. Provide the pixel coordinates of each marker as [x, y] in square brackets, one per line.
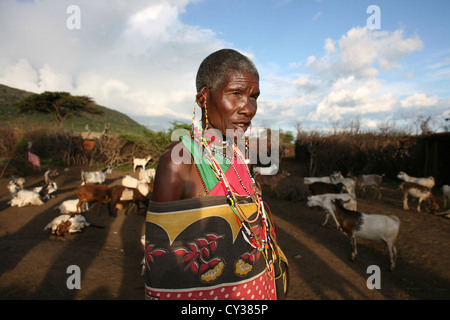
[206, 118]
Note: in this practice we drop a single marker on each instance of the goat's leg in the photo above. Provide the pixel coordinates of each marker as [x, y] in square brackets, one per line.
[79, 204]
[326, 219]
[392, 254]
[405, 202]
[338, 225]
[419, 204]
[377, 192]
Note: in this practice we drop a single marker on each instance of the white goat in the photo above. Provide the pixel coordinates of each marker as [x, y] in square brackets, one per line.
[369, 180]
[446, 194]
[25, 198]
[22, 197]
[95, 176]
[349, 183]
[147, 175]
[70, 206]
[13, 188]
[15, 185]
[326, 179]
[324, 201]
[426, 182]
[66, 222]
[130, 182]
[19, 181]
[46, 191]
[370, 227]
[420, 192]
[50, 174]
[140, 162]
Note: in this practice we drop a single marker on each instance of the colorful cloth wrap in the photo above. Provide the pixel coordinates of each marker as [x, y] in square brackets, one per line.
[194, 250]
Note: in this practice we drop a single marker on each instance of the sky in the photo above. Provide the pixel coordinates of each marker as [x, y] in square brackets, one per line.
[323, 64]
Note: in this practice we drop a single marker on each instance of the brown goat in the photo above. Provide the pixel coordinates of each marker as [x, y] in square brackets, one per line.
[420, 192]
[318, 188]
[121, 195]
[92, 193]
[270, 180]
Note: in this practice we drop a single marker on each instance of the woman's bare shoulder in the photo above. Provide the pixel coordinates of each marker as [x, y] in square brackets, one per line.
[171, 174]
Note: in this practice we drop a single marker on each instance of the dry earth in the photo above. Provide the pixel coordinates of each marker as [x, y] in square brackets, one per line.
[34, 264]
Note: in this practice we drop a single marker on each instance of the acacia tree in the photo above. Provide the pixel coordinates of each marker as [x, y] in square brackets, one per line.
[59, 104]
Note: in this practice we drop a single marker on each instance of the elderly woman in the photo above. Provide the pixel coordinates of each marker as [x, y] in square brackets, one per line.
[208, 232]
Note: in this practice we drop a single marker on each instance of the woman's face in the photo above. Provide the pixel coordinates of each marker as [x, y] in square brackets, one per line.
[233, 105]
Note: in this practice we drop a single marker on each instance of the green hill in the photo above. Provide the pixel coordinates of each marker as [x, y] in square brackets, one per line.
[120, 123]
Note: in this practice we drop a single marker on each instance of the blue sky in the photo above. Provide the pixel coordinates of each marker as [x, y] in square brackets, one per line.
[320, 66]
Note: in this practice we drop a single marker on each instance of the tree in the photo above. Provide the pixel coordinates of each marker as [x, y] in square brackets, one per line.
[59, 104]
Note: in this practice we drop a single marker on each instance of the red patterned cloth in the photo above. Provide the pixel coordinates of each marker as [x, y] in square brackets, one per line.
[194, 249]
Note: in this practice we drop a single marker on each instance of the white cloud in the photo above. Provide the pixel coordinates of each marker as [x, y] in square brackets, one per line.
[21, 75]
[346, 78]
[419, 100]
[362, 52]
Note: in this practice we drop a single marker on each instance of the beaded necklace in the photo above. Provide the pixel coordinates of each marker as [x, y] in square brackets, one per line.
[265, 243]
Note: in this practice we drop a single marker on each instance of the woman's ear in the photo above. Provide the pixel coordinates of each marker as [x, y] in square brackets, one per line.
[202, 97]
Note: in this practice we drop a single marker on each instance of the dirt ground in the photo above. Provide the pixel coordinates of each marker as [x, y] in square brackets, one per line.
[34, 264]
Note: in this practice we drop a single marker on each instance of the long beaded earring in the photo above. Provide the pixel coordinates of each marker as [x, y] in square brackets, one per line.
[206, 118]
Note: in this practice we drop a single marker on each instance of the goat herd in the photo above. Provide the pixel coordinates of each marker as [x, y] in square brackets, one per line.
[91, 190]
[336, 195]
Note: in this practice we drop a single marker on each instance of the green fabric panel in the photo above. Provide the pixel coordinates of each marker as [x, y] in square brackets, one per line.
[203, 166]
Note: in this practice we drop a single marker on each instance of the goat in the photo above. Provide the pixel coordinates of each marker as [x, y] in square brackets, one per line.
[92, 193]
[147, 175]
[46, 192]
[26, 197]
[49, 175]
[19, 181]
[324, 201]
[369, 180]
[95, 176]
[140, 162]
[349, 183]
[326, 179]
[13, 188]
[123, 195]
[318, 187]
[141, 185]
[67, 223]
[375, 227]
[446, 194]
[273, 169]
[426, 182]
[420, 192]
[22, 197]
[70, 206]
[271, 181]
[15, 184]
